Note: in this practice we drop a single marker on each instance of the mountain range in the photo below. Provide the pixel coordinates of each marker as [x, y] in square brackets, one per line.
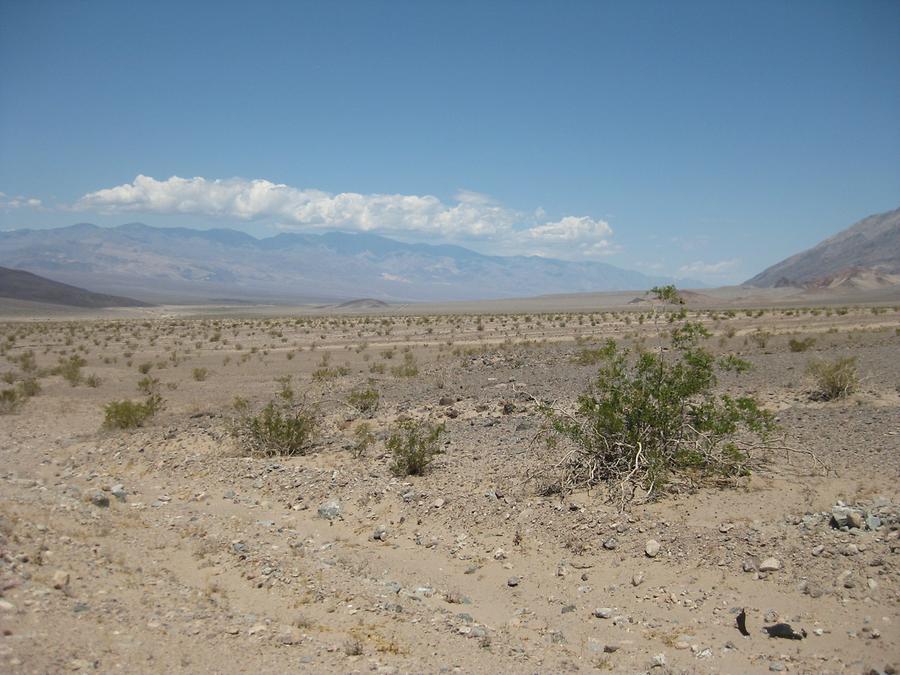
[186, 265]
[866, 254]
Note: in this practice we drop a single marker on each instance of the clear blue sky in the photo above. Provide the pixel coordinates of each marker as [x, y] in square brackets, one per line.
[710, 137]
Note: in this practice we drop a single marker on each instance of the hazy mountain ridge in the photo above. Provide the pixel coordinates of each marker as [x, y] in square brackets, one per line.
[162, 264]
[867, 250]
[22, 285]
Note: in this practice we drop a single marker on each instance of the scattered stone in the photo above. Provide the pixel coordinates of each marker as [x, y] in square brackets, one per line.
[873, 522]
[776, 667]
[611, 544]
[603, 613]
[659, 661]
[637, 579]
[568, 609]
[330, 509]
[855, 519]
[438, 503]
[100, 499]
[770, 565]
[512, 582]
[651, 548]
[380, 533]
[7, 606]
[118, 491]
[750, 564]
[60, 580]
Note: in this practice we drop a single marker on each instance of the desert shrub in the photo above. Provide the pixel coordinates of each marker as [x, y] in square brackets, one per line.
[362, 439]
[651, 419]
[70, 369]
[801, 345]
[278, 430]
[365, 400]
[414, 445]
[10, 400]
[408, 368]
[93, 380]
[834, 379]
[144, 368]
[29, 387]
[148, 385]
[588, 357]
[761, 338]
[200, 374]
[127, 414]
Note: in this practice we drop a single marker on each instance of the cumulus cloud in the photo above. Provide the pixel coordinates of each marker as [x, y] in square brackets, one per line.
[699, 267]
[19, 202]
[471, 216]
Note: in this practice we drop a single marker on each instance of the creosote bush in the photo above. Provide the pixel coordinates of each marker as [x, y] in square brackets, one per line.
[652, 419]
[834, 379]
[130, 414]
[364, 400]
[414, 445]
[801, 345]
[10, 400]
[278, 429]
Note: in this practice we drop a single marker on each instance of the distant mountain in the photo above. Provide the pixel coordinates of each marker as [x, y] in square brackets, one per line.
[864, 254]
[185, 265]
[21, 285]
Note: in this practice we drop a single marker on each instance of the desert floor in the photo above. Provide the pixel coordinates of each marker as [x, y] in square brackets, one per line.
[171, 548]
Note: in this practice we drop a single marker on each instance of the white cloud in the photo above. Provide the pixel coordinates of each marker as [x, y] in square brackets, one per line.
[19, 202]
[472, 216]
[698, 267]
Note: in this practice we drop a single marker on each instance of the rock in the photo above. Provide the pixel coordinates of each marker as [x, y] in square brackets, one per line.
[7, 607]
[637, 579]
[770, 565]
[380, 533]
[118, 491]
[446, 400]
[855, 519]
[873, 522]
[256, 629]
[659, 661]
[567, 609]
[100, 499]
[330, 509]
[438, 503]
[611, 648]
[776, 667]
[750, 565]
[611, 544]
[512, 582]
[290, 635]
[603, 613]
[651, 548]
[60, 580]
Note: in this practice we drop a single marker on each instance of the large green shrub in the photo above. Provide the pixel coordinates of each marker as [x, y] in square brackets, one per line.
[278, 430]
[652, 418]
[834, 379]
[414, 445]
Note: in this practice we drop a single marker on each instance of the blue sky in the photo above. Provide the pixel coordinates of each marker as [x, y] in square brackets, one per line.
[708, 139]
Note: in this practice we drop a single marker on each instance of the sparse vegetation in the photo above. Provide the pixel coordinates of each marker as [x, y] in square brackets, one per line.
[651, 419]
[834, 379]
[128, 414]
[278, 430]
[414, 445]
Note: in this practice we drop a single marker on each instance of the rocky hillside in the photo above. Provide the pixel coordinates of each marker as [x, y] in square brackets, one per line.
[21, 285]
[866, 251]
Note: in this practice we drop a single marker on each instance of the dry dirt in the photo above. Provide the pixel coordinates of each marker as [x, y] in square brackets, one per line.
[213, 561]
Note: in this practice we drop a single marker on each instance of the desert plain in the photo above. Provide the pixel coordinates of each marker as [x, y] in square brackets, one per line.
[175, 547]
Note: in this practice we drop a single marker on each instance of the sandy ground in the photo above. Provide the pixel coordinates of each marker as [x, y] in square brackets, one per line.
[209, 560]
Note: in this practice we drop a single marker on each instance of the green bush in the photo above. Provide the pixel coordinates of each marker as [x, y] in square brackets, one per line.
[364, 400]
[200, 374]
[10, 400]
[834, 379]
[130, 414]
[414, 445]
[70, 369]
[278, 430]
[652, 418]
[408, 368]
[801, 345]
